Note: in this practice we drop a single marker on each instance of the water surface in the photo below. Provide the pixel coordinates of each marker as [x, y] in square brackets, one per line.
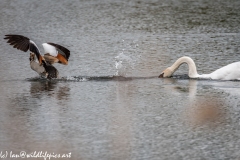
[110, 103]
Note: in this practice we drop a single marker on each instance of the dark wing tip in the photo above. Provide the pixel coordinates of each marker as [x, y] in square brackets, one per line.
[7, 36]
[63, 49]
[18, 41]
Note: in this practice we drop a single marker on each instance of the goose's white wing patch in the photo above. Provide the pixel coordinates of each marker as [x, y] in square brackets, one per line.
[50, 49]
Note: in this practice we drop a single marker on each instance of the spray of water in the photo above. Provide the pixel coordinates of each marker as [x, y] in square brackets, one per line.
[126, 60]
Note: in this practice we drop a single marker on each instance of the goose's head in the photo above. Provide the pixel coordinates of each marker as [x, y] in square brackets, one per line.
[32, 57]
[166, 73]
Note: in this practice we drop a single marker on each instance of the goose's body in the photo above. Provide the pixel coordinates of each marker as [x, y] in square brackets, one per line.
[36, 66]
[45, 70]
[54, 53]
[228, 72]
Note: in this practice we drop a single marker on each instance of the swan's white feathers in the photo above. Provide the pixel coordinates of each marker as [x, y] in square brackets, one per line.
[228, 72]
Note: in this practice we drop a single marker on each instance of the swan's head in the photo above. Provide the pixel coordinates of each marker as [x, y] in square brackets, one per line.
[166, 73]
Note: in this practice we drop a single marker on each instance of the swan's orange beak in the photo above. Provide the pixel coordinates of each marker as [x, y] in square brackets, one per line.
[161, 75]
[62, 59]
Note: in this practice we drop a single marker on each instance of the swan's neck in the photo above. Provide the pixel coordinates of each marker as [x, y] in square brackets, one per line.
[192, 72]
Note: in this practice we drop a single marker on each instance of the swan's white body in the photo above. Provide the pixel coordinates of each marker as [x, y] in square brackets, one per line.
[228, 72]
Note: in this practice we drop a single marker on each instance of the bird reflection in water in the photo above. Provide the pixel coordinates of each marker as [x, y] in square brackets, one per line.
[200, 109]
[39, 89]
[205, 110]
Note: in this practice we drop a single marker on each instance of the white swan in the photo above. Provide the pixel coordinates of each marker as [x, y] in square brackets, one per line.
[228, 72]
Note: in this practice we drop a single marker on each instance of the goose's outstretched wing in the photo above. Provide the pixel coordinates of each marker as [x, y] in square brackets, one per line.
[56, 53]
[24, 44]
[62, 50]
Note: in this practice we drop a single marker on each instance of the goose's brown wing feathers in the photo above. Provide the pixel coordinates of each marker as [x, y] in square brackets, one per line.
[23, 43]
[62, 50]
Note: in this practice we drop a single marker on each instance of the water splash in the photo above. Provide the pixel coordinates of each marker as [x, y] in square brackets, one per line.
[123, 64]
[75, 78]
[65, 79]
[126, 60]
[85, 78]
